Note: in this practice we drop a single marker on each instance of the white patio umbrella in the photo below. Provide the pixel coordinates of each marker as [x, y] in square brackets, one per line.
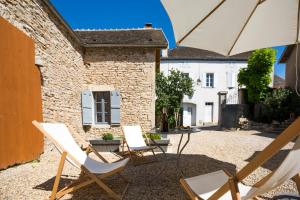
[230, 27]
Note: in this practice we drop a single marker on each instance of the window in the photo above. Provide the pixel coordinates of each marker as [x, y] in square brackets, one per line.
[186, 74]
[231, 79]
[210, 80]
[102, 107]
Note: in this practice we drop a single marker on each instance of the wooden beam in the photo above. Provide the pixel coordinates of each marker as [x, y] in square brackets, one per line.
[296, 179]
[58, 175]
[235, 193]
[283, 139]
[188, 190]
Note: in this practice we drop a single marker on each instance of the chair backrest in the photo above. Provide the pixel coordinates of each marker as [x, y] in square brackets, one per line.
[134, 136]
[288, 169]
[61, 137]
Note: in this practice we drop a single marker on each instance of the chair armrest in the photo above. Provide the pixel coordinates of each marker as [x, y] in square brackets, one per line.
[90, 149]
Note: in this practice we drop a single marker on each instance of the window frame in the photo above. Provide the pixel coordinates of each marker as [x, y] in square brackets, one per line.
[209, 80]
[103, 105]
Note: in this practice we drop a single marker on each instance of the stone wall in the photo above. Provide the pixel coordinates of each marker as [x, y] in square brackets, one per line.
[290, 70]
[65, 74]
[62, 55]
[132, 72]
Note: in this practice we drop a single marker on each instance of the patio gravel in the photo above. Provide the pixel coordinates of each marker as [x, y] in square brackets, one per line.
[208, 151]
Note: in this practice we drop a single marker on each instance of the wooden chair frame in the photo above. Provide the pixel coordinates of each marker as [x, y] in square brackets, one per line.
[86, 180]
[289, 134]
[136, 154]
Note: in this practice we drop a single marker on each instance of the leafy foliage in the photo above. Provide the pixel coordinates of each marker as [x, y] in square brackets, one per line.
[154, 136]
[107, 136]
[257, 76]
[281, 102]
[170, 91]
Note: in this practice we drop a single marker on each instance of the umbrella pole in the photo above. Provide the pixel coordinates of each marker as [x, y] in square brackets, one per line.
[296, 66]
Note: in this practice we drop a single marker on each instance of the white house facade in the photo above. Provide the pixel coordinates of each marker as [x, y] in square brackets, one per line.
[212, 73]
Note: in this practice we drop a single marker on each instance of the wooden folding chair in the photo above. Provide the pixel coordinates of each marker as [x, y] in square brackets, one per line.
[135, 143]
[222, 185]
[93, 170]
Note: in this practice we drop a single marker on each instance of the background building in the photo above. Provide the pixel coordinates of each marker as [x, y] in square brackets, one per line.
[211, 74]
[289, 58]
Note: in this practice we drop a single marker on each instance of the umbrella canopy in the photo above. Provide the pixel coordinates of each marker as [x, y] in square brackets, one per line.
[230, 27]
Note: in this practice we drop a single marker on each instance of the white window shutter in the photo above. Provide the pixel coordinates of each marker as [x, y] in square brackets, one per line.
[215, 80]
[231, 79]
[115, 100]
[203, 80]
[233, 75]
[87, 107]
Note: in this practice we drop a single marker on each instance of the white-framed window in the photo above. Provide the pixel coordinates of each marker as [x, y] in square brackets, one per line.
[209, 80]
[102, 107]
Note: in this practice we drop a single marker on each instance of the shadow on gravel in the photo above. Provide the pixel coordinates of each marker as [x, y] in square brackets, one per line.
[274, 162]
[158, 180]
[266, 134]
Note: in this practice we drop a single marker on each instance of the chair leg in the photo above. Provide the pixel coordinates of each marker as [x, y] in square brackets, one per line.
[100, 183]
[73, 188]
[296, 179]
[234, 189]
[154, 154]
[58, 175]
[188, 190]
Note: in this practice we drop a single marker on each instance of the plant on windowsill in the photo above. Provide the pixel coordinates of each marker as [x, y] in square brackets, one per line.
[107, 136]
[108, 143]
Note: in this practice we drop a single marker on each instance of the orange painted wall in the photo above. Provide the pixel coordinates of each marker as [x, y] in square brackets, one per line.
[20, 98]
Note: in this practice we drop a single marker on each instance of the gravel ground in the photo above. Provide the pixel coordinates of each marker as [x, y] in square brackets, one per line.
[207, 151]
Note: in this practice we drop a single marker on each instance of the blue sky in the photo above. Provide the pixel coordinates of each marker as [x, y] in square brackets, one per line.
[115, 14]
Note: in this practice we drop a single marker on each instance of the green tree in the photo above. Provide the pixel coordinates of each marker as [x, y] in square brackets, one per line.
[257, 76]
[170, 91]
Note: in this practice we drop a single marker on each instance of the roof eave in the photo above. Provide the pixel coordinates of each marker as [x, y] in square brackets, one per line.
[61, 19]
[286, 54]
[160, 46]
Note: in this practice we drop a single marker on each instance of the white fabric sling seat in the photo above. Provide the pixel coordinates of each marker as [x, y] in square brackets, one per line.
[204, 186]
[133, 137]
[95, 170]
[221, 185]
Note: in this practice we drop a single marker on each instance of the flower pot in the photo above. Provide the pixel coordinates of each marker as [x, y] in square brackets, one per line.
[106, 145]
[164, 143]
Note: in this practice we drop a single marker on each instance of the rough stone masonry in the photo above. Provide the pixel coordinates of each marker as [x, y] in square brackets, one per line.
[70, 65]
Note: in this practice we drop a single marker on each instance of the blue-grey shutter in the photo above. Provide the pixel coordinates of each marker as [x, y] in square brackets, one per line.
[115, 100]
[87, 107]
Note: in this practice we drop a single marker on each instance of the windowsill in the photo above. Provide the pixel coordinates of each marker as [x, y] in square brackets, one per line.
[101, 126]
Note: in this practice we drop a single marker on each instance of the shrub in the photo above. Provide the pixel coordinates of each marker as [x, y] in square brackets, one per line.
[153, 136]
[257, 76]
[107, 136]
[281, 102]
[170, 91]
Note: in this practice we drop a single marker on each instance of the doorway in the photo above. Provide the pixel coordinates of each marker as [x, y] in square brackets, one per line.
[208, 112]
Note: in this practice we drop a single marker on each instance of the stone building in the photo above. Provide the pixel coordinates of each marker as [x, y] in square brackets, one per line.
[116, 68]
[289, 58]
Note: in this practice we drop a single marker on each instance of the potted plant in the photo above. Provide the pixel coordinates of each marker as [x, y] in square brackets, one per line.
[158, 140]
[108, 143]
